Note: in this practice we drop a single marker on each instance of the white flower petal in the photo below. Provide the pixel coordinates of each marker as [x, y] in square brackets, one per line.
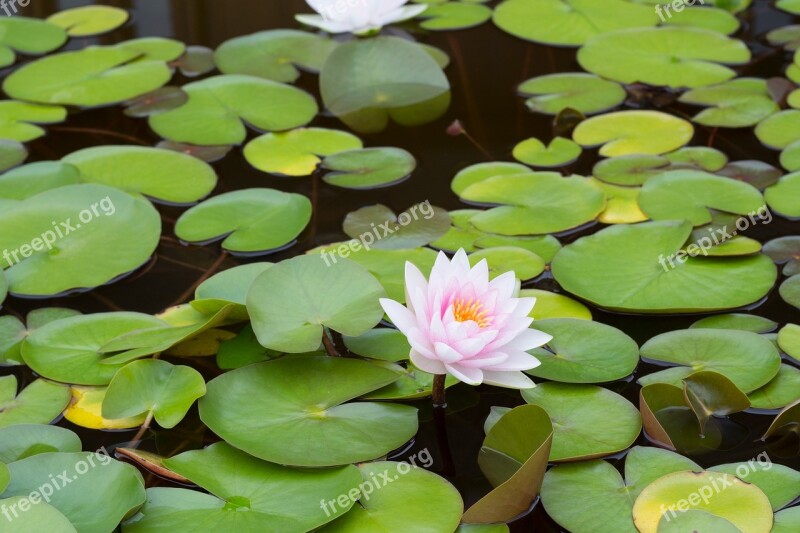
[425, 364]
[404, 13]
[528, 340]
[471, 376]
[414, 280]
[399, 314]
[446, 354]
[516, 361]
[510, 380]
[330, 26]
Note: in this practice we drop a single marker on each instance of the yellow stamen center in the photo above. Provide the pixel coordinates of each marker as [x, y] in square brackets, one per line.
[464, 310]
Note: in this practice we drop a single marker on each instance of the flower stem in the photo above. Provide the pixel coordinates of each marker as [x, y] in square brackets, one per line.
[438, 390]
[329, 347]
[142, 430]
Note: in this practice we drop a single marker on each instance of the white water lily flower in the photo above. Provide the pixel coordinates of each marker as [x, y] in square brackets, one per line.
[358, 16]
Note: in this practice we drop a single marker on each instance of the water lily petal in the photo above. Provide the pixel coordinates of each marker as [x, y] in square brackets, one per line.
[528, 340]
[431, 366]
[471, 376]
[399, 315]
[516, 360]
[511, 380]
[446, 354]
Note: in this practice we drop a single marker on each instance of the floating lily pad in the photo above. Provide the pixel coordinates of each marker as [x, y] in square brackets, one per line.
[545, 246]
[705, 17]
[571, 23]
[634, 132]
[734, 104]
[39, 403]
[514, 458]
[483, 171]
[588, 421]
[695, 520]
[454, 16]
[789, 340]
[779, 392]
[622, 203]
[368, 168]
[553, 305]
[757, 173]
[13, 331]
[691, 194]
[89, 20]
[786, 36]
[786, 421]
[710, 394]
[583, 351]
[784, 196]
[791, 6]
[416, 226]
[27, 36]
[780, 483]
[296, 152]
[18, 120]
[86, 406]
[161, 174]
[12, 153]
[669, 56]
[787, 520]
[227, 287]
[630, 170]
[606, 499]
[39, 516]
[780, 130]
[303, 404]
[749, 360]
[159, 101]
[742, 504]
[277, 55]
[790, 157]
[698, 157]
[382, 343]
[248, 220]
[540, 202]
[790, 291]
[366, 82]
[220, 106]
[54, 258]
[342, 296]
[558, 153]
[599, 268]
[94, 76]
[587, 93]
[501, 259]
[740, 321]
[25, 440]
[461, 234]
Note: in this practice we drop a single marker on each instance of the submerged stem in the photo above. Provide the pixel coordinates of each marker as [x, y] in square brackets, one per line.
[439, 391]
[329, 347]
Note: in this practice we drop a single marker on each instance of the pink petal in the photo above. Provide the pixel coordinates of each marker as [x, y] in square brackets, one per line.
[471, 376]
[446, 354]
[427, 365]
[399, 315]
[414, 281]
[528, 340]
[511, 380]
[489, 360]
[516, 361]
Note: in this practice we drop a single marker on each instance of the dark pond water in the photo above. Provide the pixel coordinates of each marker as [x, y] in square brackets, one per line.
[487, 65]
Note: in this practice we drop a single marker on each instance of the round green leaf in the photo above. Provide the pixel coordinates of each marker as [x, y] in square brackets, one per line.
[634, 132]
[558, 153]
[25, 440]
[791, 6]
[89, 20]
[39, 403]
[739, 321]
[416, 226]
[296, 152]
[630, 170]
[587, 93]
[483, 171]
[368, 168]
[553, 305]
[228, 286]
[790, 291]
[734, 104]
[27, 36]
[782, 390]
[18, 119]
[39, 516]
[12, 153]
[790, 157]
[780, 130]
[33, 178]
[382, 343]
[501, 259]
[780, 483]
[784, 196]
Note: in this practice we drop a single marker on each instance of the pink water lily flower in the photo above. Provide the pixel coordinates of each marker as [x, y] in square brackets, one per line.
[462, 324]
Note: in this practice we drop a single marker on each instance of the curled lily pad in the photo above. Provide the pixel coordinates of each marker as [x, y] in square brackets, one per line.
[56, 236]
[454, 16]
[634, 132]
[89, 20]
[782, 390]
[570, 23]
[785, 421]
[306, 421]
[277, 55]
[710, 394]
[342, 296]
[27, 36]
[747, 359]
[220, 106]
[668, 56]
[780, 130]
[18, 120]
[739, 321]
[419, 225]
[784, 196]
[558, 153]
[587, 93]
[296, 152]
[554, 305]
[501, 259]
[94, 76]
[85, 409]
[25, 440]
[365, 82]
[39, 403]
[583, 351]
[249, 220]
[588, 421]
[669, 422]
[368, 168]
[599, 268]
[734, 104]
[514, 458]
[161, 174]
[155, 387]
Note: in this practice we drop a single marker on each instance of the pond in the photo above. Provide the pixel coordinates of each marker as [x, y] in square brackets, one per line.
[659, 233]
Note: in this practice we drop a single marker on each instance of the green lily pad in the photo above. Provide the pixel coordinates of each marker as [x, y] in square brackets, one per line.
[414, 500]
[383, 343]
[342, 296]
[790, 6]
[599, 268]
[630, 170]
[780, 483]
[786, 421]
[786, 521]
[368, 168]
[153, 386]
[296, 152]
[18, 120]
[539, 203]
[587, 93]
[514, 458]
[366, 82]
[92, 477]
[634, 132]
[28, 36]
[13, 331]
[419, 225]
[31, 179]
[583, 351]
[669, 56]
[220, 106]
[780, 130]
[570, 23]
[593, 496]
[545, 246]
[786, 36]
[523, 263]
[742, 504]
[248, 220]
[242, 350]
[698, 157]
[749, 360]
[789, 340]
[695, 520]
[691, 194]
[784, 196]
[413, 384]
[89, 20]
[26, 440]
[710, 394]
[303, 400]
[757, 173]
[790, 157]
[276, 55]
[159, 101]
[790, 291]
[39, 403]
[740, 321]
[454, 16]
[54, 258]
[70, 349]
[91, 77]
[554, 305]
[461, 234]
[39, 516]
[734, 104]
[227, 287]
[558, 153]
[12, 153]
[482, 171]
[779, 392]
[705, 17]
[164, 175]
[588, 421]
